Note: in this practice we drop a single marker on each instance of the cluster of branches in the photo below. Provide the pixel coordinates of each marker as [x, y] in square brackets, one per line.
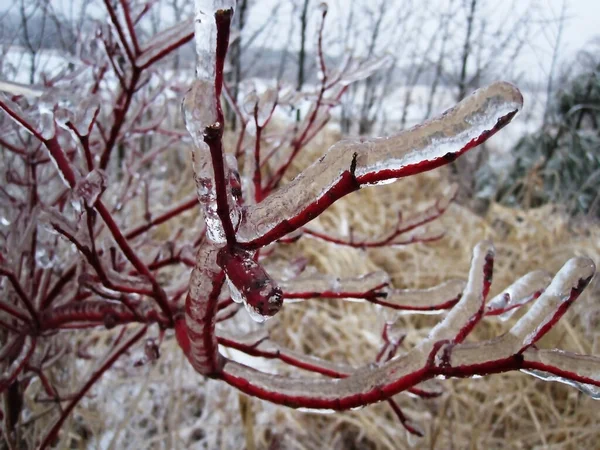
[82, 174]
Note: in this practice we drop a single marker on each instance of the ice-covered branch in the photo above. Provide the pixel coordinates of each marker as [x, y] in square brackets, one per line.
[442, 352]
[196, 331]
[368, 385]
[350, 164]
[310, 285]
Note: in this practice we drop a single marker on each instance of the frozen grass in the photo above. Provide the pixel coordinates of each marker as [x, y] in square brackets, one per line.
[166, 405]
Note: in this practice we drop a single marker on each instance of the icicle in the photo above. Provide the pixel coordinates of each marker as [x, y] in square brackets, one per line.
[587, 389]
[200, 109]
[572, 365]
[205, 186]
[235, 293]
[205, 30]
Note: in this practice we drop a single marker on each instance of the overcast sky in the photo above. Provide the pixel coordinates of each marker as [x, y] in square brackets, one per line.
[582, 25]
[584, 22]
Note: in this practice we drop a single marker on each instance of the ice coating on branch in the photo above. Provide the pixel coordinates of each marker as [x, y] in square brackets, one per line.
[548, 308]
[163, 40]
[522, 291]
[251, 339]
[552, 304]
[200, 112]
[358, 70]
[11, 372]
[251, 283]
[261, 104]
[90, 188]
[200, 306]
[82, 116]
[469, 308]
[588, 389]
[56, 223]
[265, 105]
[235, 293]
[47, 124]
[207, 195]
[199, 109]
[313, 284]
[372, 383]
[205, 30]
[585, 367]
[434, 299]
[351, 163]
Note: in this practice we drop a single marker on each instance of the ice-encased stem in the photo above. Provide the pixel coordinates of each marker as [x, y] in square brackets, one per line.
[349, 164]
[440, 354]
[204, 117]
[369, 385]
[515, 345]
[260, 294]
[522, 291]
[312, 285]
[437, 298]
[196, 332]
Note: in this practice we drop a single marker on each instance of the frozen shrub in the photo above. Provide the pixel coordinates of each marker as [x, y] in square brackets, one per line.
[76, 255]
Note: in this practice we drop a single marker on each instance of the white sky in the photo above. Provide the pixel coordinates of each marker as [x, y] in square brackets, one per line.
[582, 25]
[584, 22]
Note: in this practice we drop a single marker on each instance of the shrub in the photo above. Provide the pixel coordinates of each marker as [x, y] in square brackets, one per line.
[83, 173]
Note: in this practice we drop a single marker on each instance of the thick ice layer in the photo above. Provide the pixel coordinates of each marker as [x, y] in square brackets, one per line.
[207, 195]
[249, 281]
[205, 284]
[552, 304]
[586, 367]
[520, 292]
[371, 383]
[90, 188]
[205, 30]
[316, 284]
[199, 109]
[163, 40]
[10, 374]
[440, 297]
[470, 305]
[548, 308]
[351, 163]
